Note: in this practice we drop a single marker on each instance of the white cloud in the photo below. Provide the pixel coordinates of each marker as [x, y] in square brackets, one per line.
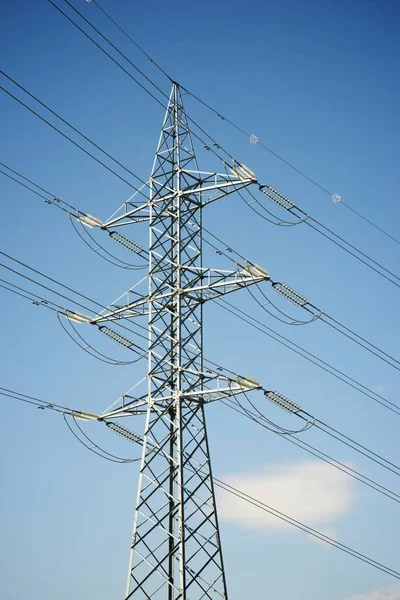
[392, 593]
[309, 491]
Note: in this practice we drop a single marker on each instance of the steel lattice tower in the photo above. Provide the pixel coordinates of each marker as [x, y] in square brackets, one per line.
[176, 550]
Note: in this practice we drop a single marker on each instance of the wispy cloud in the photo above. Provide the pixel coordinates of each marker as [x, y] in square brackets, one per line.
[391, 593]
[309, 491]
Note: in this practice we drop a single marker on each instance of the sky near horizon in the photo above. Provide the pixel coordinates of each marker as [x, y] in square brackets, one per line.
[316, 82]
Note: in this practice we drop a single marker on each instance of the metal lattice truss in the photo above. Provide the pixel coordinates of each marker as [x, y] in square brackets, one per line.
[200, 188]
[201, 285]
[176, 550]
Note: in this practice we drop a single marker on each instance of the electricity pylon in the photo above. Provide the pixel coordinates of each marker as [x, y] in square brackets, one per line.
[176, 549]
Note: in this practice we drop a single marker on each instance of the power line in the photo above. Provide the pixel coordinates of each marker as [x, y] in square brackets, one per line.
[348, 441]
[306, 218]
[307, 529]
[219, 146]
[133, 42]
[124, 265]
[84, 306]
[42, 404]
[62, 285]
[312, 450]
[31, 190]
[299, 525]
[166, 374]
[212, 148]
[301, 302]
[326, 232]
[266, 330]
[337, 326]
[29, 181]
[343, 330]
[49, 199]
[255, 323]
[117, 50]
[77, 213]
[28, 295]
[24, 185]
[89, 349]
[311, 531]
[355, 445]
[75, 129]
[223, 485]
[56, 308]
[241, 130]
[338, 374]
[289, 320]
[300, 443]
[46, 303]
[70, 139]
[323, 426]
[100, 451]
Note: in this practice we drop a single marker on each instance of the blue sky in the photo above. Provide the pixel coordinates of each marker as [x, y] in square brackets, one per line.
[315, 81]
